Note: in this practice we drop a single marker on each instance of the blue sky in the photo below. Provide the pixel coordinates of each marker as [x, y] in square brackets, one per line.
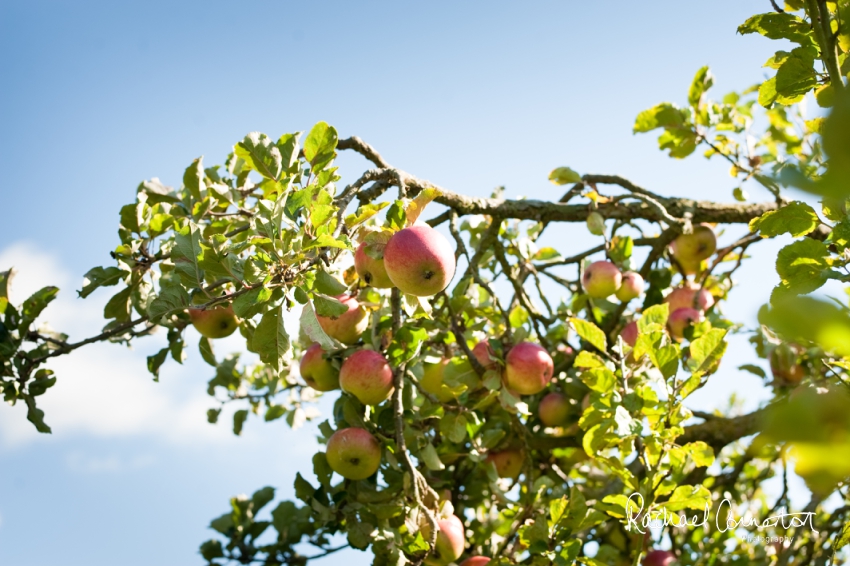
[97, 96]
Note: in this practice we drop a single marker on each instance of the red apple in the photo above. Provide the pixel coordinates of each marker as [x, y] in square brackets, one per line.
[317, 371]
[419, 260]
[554, 409]
[659, 558]
[484, 354]
[631, 286]
[601, 279]
[451, 541]
[367, 375]
[690, 249]
[689, 296]
[508, 462]
[347, 327]
[371, 270]
[475, 561]
[680, 320]
[529, 368]
[353, 453]
[630, 333]
[214, 322]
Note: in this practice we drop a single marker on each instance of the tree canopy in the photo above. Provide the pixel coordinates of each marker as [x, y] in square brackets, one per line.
[481, 416]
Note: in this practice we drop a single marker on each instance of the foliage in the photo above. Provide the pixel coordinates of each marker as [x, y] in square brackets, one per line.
[270, 233]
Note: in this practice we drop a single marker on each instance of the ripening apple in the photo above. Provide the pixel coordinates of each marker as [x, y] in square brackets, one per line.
[483, 352]
[353, 453]
[451, 540]
[508, 462]
[318, 371]
[630, 333]
[528, 368]
[785, 364]
[554, 409]
[690, 249]
[367, 375]
[680, 320]
[419, 260]
[214, 322]
[475, 561]
[689, 296]
[432, 381]
[348, 326]
[371, 270]
[659, 558]
[601, 279]
[631, 286]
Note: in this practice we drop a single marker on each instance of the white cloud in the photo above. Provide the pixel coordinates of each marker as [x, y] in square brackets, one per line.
[83, 463]
[104, 390]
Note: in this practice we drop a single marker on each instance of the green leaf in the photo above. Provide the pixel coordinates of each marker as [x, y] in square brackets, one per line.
[239, 418]
[207, 354]
[688, 497]
[396, 217]
[601, 379]
[587, 359]
[796, 76]
[329, 306]
[564, 175]
[590, 333]
[187, 254]
[518, 316]
[779, 26]
[35, 304]
[416, 206]
[36, 415]
[663, 115]
[701, 83]
[680, 142]
[767, 92]
[666, 359]
[193, 178]
[453, 426]
[312, 328]
[326, 241]
[843, 538]
[252, 302]
[260, 154]
[796, 218]
[654, 315]
[364, 213]
[328, 284]
[701, 453]
[320, 145]
[100, 277]
[155, 362]
[118, 306]
[172, 297]
[271, 341]
[432, 460]
[803, 265]
[274, 412]
[753, 369]
[707, 350]
[261, 498]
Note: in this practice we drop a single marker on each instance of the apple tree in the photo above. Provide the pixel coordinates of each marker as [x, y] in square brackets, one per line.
[495, 397]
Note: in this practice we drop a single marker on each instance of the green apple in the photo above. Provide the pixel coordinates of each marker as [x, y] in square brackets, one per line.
[214, 322]
[601, 279]
[451, 540]
[554, 409]
[371, 270]
[419, 260]
[318, 371]
[508, 462]
[353, 453]
[689, 250]
[367, 375]
[680, 320]
[348, 326]
[432, 381]
[528, 368]
[631, 286]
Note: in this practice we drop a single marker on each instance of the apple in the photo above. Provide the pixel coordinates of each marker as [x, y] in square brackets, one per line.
[631, 286]
[367, 375]
[348, 326]
[353, 453]
[554, 409]
[601, 279]
[214, 322]
[451, 540]
[659, 558]
[419, 260]
[317, 371]
[529, 368]
[630, 333]
[484, 354]
[680, 320]
[691, 296]
[432, 381]
[508, 462]
[371, 270]
[475, 561]
[690, 249]
[785, 364]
